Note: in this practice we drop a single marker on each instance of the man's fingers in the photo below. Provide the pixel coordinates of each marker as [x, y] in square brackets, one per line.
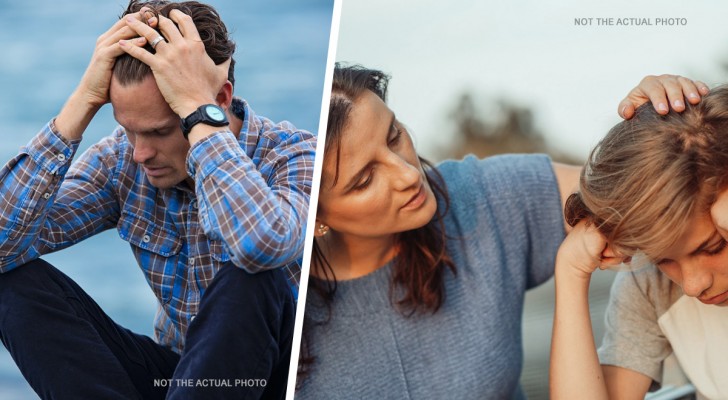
[134, 49]
[109, 42]
[120, 29]
[170, 31]
[186, 26]
[121, 34]
[144, 30]
[120, 24]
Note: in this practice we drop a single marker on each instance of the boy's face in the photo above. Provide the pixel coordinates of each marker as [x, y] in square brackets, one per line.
[698, 261]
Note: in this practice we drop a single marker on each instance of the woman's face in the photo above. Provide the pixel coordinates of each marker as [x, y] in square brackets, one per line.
[698, 262]
[381, 187]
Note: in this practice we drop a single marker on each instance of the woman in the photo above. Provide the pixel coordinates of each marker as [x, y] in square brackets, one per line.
[655, 185]
[418, 273]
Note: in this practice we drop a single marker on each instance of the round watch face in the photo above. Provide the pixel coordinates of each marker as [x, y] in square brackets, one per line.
[215, 113]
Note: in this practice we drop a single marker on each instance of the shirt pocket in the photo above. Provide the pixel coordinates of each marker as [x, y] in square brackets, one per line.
[156, 247]
[218, 251]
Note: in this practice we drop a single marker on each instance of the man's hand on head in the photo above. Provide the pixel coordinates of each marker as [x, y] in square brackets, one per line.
[186, 76]
[93, 90]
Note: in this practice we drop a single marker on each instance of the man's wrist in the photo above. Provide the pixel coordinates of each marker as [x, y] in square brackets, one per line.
[210, 115]
[188, 107]
[75, 116]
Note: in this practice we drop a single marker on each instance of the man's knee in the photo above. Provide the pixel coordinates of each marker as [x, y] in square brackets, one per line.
[24, 276]
[21, 290]
[238, 282]
[236, 299]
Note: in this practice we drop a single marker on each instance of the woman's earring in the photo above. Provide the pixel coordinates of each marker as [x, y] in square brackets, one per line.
[323, 229]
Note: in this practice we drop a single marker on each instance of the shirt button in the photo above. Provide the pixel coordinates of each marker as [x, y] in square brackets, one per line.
[61, 157]
[192, 318]
[192, 261]
[146, 239]
[46, 196]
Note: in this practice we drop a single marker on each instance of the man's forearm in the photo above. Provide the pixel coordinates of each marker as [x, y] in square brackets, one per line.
[75, 116]
[46, 205]
[28, 184]
[260, 217]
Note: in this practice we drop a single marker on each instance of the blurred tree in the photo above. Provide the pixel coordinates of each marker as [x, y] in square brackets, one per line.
[512, 130]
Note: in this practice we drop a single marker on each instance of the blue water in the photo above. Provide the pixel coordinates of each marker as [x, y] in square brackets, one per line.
[46, 44]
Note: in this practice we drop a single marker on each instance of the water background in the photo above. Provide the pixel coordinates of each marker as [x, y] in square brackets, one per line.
[281, 56]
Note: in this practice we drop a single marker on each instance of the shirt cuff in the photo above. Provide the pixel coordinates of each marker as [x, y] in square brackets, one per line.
[50, 150]
[211, 152]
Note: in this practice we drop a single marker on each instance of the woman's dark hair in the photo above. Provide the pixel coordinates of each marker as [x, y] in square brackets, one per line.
[213, 33]
[422, 259]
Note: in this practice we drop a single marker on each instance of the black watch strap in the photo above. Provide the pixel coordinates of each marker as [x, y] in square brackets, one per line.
[208, 114]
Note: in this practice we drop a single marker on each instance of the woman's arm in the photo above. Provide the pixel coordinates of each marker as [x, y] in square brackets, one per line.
[575, 372]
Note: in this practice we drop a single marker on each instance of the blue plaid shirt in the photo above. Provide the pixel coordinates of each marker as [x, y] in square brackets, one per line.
[249, 206]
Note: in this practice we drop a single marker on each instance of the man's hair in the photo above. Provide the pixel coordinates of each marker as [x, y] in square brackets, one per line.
[214, 34]
[645, 180]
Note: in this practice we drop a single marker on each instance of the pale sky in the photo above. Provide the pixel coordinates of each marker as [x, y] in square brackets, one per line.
[533, 53]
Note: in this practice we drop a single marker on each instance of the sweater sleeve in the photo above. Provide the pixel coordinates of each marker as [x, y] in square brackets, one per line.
[511, 206]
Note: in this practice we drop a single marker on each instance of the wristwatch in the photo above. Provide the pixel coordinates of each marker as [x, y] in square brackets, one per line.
[208, 114]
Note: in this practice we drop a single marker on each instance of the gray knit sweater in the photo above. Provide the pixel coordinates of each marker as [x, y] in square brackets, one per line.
[505, 222]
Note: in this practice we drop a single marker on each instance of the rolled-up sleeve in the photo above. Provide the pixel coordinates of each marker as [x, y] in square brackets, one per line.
[257, 206]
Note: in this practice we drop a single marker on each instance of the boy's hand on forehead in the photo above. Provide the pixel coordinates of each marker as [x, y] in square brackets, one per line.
[186, 76]
[582, 250]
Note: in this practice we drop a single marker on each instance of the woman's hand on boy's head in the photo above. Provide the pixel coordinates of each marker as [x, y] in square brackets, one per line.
[665, 92]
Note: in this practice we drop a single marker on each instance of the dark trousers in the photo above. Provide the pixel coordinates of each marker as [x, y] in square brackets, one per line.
[238, 346]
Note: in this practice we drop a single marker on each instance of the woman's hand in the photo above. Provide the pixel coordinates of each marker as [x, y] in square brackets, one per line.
[662, 91]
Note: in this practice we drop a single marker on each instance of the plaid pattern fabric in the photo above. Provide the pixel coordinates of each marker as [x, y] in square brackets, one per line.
[249, 206]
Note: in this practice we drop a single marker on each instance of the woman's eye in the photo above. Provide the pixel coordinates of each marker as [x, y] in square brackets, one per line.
[363, 185]
[395, 136]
